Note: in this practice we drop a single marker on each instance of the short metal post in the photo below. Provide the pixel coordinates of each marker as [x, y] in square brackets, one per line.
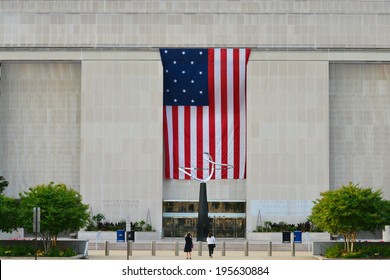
[199, 248]
[153, 248]
[176, 248]
[107, 251]
[270, 249]
[246, 248]
[129, 249]
[223, 249]
[293, 249]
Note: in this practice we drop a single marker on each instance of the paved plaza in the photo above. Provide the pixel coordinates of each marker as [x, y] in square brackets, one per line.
[172, 249]
[165, 250]
[170, 255]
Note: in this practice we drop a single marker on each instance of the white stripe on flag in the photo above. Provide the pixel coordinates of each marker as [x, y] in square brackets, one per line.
[181, 139]
[242, 112]
[206, 136]
[194, 134]
[217, 109]
[230, 115]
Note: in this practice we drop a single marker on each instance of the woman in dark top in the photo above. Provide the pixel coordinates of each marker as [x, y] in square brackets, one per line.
[189, 245]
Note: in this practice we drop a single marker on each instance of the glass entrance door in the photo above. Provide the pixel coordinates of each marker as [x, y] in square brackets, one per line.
[229, 227]
[178, 227]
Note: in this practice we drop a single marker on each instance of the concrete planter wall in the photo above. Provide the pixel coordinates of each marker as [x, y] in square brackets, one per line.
[146, 235]
[265, 236]
[277, 236]
[97, 236]
[386, 234]
[17, 234]
[111, 236]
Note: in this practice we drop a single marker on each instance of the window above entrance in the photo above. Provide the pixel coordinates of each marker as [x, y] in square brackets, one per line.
[214, 207]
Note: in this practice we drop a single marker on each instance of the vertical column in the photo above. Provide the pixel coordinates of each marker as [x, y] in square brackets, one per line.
[203, 214]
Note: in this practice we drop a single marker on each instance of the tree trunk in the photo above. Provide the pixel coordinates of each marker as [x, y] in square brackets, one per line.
[353, 239]
[47, 242]
[345, 243]
[54, 241]
[347, 237]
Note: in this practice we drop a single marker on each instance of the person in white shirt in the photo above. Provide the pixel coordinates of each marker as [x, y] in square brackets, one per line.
[211, 243]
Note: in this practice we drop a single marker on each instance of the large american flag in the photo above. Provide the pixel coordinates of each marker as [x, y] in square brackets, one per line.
[204, 111]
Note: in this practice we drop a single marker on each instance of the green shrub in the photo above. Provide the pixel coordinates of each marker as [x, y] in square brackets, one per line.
[61, 252]
[54, 252]
[69, 252]
[17, 251]
[283, 226]
[334, 251]
[374, 252]
[106, 226]
[28, 251]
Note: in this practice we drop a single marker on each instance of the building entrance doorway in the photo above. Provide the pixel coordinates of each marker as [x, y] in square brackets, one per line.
[228, 227]
[220, 226]
[227, 219]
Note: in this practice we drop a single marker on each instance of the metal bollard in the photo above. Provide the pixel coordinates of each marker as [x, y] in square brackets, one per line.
[270, 249]
[107, 252]
[246, 248]
[176, 248]
[199, 248]
[293, 249]
[129, 249]
[223, 249]
[153, 248]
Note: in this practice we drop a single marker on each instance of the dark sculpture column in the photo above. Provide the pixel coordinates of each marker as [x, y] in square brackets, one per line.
[203, 214]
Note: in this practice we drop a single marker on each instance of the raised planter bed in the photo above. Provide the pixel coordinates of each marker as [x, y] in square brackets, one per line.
[79, 246]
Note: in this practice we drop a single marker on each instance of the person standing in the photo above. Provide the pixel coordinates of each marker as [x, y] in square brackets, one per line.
[211, 243]
[188, 245]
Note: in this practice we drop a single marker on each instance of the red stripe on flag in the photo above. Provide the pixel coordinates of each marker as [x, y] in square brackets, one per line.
[211, 106]
[199, 146]
[175, 133]
[224, 112]
[166, 145]
[187, 138]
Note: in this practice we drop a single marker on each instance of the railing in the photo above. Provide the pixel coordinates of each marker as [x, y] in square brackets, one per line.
[200, 247]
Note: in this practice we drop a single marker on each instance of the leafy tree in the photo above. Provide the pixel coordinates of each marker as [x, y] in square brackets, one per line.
[8, 213]
[3, 184]
[61, 210]
[349, 210]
